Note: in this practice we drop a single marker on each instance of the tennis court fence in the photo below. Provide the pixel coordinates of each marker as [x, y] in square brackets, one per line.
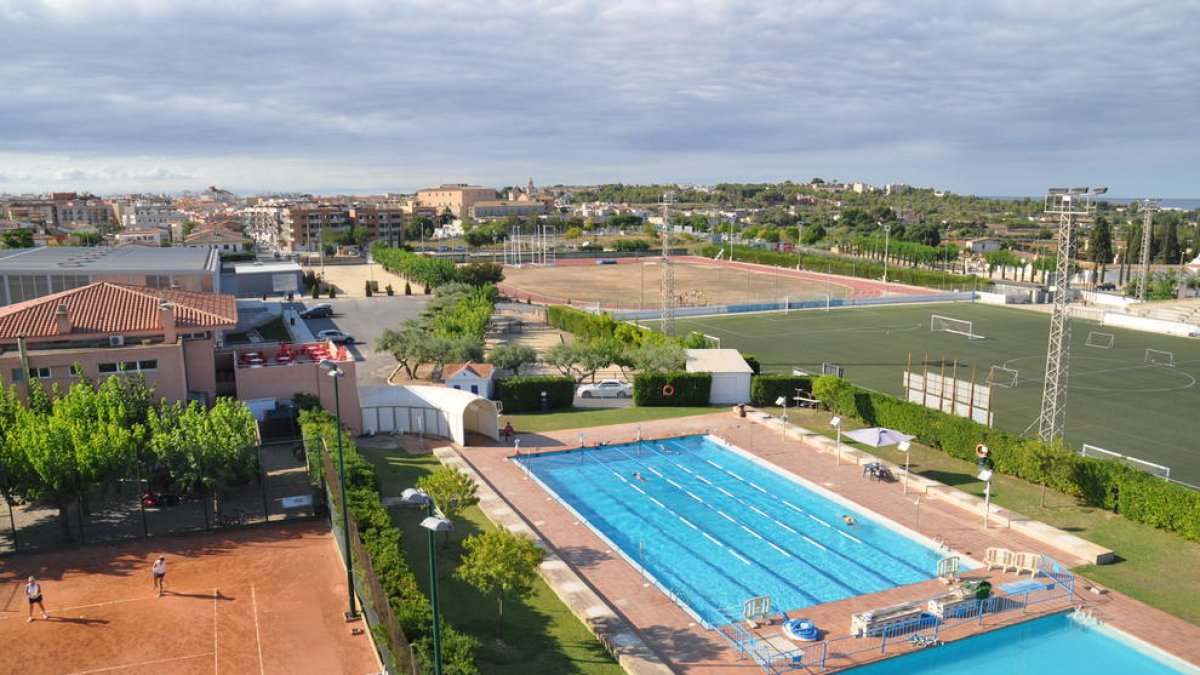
[393, 646]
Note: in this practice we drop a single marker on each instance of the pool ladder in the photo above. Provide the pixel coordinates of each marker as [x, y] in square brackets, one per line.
[1086, 616]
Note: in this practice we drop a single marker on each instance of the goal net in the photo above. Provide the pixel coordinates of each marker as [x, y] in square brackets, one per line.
[828, 368]
[945, 324]
[1100, 340]
[1159, 470]
[1157, 357]
[1003, 377]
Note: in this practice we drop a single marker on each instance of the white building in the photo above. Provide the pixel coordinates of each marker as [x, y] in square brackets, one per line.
[730, 374]
[470, 376]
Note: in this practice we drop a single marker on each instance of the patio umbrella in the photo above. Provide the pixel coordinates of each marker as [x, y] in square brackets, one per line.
[877, 437]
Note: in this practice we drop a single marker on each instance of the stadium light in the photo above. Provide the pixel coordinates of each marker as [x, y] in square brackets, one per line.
[433, 522]
[1100, 191]
[1057, 191]
[1079, 190]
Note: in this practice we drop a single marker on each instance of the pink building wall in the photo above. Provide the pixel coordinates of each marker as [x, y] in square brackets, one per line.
[282, 382]
[168, 381]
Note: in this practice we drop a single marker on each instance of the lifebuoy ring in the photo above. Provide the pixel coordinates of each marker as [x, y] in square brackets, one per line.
[668, 390]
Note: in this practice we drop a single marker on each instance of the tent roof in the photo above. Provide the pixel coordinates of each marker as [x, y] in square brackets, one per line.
[423, 396]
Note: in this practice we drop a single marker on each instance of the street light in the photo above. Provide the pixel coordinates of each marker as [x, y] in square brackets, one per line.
[903, 447]
[337, 374]
[836, 422]
[433, 522]
[887, 231]
[986, 477]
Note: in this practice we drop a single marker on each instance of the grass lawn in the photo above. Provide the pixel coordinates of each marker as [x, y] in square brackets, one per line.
[582, 418]
[541, 635]
[1151, 564]
[1117, 400]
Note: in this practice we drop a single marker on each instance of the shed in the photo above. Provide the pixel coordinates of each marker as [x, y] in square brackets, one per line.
[470, 376]
[730, 374]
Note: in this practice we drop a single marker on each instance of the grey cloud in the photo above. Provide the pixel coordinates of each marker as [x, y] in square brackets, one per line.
[571, 86]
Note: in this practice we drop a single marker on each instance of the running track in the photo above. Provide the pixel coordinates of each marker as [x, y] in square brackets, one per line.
[859, 288]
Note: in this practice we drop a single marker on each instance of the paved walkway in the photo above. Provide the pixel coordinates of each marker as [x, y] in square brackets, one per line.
[689, 648]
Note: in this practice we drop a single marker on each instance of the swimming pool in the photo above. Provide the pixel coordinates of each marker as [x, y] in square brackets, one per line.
[714, 527]
[1052, 644]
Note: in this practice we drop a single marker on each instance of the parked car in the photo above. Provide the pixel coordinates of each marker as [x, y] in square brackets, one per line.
[336, 336]
[606, 389]
[606, 261]
[321, 311]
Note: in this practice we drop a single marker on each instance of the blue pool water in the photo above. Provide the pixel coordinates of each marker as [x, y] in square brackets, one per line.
[1053, 644]
[715, 528]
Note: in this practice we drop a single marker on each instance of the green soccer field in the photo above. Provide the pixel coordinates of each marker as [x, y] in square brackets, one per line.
[1116, 400]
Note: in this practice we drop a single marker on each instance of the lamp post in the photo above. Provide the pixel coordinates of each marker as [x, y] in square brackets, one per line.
[337, 374]
[782, 400]
[433, 522]
[903, 447]
[986, 477]
[887, 231]
[836, 423]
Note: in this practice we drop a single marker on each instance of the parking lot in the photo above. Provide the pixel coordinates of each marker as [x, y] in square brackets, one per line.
[366, 319]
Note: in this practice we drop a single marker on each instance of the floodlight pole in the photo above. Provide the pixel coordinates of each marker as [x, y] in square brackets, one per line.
[337, 374]
[887, 231]
[1068, 205]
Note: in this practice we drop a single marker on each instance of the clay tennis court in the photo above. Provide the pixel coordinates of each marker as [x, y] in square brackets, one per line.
[635, 283]
[259, 600]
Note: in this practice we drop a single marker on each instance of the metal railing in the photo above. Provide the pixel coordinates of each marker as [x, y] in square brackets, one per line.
[925, 630]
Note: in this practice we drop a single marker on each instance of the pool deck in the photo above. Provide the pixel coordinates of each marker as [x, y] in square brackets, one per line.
[618, 600]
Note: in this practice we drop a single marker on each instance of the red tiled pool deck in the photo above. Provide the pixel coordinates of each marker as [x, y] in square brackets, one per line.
[687, 647]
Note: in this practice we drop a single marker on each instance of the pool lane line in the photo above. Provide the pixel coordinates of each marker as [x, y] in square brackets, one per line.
[818, 545]
[849, 536]
[884, 551]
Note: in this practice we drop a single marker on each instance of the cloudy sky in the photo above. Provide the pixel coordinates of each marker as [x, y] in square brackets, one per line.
[994, 97]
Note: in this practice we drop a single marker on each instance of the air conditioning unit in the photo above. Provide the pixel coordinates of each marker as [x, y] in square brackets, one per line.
[116, 340]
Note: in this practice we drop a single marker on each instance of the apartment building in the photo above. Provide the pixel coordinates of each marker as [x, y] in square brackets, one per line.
[311, 221]
[384, 223]
[457, 198]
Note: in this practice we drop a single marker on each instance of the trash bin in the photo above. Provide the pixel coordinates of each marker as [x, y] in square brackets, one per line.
[741, 409]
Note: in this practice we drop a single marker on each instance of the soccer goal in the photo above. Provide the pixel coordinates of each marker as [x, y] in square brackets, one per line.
[1003, 377]
[945, 324]
[1156, 357]
[1151, 468]
[828, 368]
[1100, 340]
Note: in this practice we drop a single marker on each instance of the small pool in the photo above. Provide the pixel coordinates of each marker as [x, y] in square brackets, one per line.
[714, 527]
[1052, 644]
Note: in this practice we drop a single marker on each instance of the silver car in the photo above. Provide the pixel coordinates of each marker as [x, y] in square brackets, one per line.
[606, 389]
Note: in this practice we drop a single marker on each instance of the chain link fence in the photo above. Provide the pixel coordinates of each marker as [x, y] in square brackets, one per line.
[131, 508]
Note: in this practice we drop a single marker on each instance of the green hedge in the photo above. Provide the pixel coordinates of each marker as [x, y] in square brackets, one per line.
[602, 326]
[1134, 494]
[469, 316]
[851, 267]
[427, 270]
[524, 393]
[765, 389]
[381, 539]
[691, 389]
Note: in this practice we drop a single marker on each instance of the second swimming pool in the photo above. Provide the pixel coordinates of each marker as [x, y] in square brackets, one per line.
[714, 527]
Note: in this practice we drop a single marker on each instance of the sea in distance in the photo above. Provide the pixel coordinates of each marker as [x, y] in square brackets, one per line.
[1181, 204]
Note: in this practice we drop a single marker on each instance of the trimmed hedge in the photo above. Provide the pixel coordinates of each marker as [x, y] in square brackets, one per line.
[851, 267]
[691, 389]
[381, 538]
[524, 393]
[423, 269]
[602, 326]
[1134, 494]
[765, 389]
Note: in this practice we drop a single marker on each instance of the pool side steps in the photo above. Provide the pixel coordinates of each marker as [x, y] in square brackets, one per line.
[1084, 551]
[617, 636]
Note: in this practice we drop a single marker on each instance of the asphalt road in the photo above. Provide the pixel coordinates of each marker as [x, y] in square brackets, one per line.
[366, 319]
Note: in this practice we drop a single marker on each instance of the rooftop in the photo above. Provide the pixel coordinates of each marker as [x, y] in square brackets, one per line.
[107, 259]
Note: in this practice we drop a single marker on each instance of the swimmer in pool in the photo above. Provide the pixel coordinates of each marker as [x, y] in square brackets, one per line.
[849, 520]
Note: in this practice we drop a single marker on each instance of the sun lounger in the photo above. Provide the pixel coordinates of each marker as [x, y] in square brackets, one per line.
[1026, 562]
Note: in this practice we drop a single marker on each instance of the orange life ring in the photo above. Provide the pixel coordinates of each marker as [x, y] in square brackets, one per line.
[668, 390]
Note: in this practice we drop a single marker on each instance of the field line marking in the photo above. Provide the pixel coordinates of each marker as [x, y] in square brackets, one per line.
[142, 663]
[257, 632]
[98, 604]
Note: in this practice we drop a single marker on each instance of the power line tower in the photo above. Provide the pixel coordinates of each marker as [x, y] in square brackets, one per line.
[668, 268]
[1068, 205]
[1149, 206]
